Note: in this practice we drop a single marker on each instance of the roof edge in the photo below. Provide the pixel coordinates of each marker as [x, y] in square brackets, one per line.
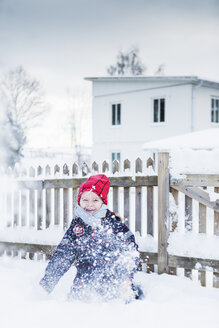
[141, 77]
[193, 79]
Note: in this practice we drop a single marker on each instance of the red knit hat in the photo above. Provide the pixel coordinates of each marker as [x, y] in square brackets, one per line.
[99, 184]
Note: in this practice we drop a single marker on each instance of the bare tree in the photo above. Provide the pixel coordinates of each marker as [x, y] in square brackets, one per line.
[160, 70]
[23, 105]
[79, 119]
[128, 63]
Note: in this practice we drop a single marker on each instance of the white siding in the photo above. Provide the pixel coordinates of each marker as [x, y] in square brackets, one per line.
[137, 127]
[202, 104]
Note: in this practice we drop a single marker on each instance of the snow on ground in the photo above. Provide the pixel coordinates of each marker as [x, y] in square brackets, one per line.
[169, 302]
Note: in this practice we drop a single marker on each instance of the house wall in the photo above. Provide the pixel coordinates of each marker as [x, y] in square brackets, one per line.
[137, 127]
[202, 107]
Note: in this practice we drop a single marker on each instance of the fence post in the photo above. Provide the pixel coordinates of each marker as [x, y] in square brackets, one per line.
[163, 211]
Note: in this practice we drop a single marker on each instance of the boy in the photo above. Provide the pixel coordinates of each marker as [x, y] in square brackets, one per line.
[101, 247]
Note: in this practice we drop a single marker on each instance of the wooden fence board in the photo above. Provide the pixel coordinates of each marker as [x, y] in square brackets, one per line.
[138, 194]
[188, 213]
[216, 232]
[31, 208]
[172, 270]
[197, 180]
[33, 184]
[126, 206]
[48, 208]
[216, 216]
[138, 165]
[197, 194]
[57, 206]
[27, 247]
[202, 229]
[163, 211]
[75, 182]
[202, 218]
[16, 208]
[150, 210]
[188, 273]
[129, 182]
[39, 210]
[150, 268]
[175, 194]
[116, 166]
[75, 197]
[23, 208]
[150, 258]
[116, 200]
[105, 167]
[216, 280]
[65, 208]
[191, 262]
[9, 208]
[202, 278]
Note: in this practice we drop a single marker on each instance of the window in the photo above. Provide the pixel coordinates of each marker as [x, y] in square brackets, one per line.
[159, 110]
[215, 110]
[116, 114]
[116, 156]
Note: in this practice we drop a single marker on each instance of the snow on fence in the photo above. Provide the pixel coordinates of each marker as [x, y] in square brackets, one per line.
[37, 206]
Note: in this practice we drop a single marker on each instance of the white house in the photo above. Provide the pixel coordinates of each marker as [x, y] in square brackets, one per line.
[129, 111]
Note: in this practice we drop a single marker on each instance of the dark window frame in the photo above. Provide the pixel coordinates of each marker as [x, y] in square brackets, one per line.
[116, 114]
[214, 110]
[159, 110]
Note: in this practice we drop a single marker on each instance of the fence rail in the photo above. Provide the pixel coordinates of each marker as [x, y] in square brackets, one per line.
[39, 198]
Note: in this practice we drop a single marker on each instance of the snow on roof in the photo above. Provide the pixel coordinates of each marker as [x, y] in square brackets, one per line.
[191, 79]
[201, 140]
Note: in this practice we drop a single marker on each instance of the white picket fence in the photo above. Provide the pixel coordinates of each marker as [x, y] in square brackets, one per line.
[46, 196]
[42, 199]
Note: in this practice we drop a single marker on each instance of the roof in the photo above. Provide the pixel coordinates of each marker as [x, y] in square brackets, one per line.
[140, 78]
[205, 139]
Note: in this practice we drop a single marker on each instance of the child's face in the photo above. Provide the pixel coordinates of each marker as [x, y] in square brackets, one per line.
[90, 202]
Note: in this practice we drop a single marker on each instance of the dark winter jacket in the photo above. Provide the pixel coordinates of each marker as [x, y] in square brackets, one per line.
[106, 252]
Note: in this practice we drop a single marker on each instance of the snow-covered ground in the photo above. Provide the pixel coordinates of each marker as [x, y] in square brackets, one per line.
[170, 301]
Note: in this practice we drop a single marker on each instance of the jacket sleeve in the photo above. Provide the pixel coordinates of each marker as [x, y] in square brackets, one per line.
[127, 236]
[60, 261]
[129, 246]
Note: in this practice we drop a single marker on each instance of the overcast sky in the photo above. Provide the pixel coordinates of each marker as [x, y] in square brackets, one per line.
[62, 41]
